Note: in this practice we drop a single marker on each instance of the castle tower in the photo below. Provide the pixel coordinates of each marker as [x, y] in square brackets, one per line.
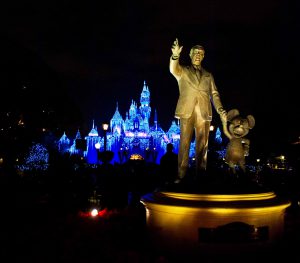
[78, 135]
[78, 144]
[92, 139]
[132, 110]
[218, 137]
[145, 108]
[64, 143]
[174, 135]
[117, 122]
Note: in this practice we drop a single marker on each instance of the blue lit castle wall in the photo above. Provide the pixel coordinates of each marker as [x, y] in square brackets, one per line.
[128, 137]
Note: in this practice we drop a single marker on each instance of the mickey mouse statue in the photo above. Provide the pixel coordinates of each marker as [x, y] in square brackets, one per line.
[238, 146]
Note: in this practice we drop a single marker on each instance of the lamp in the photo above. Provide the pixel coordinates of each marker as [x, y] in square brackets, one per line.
[105, 128]
[105, 156]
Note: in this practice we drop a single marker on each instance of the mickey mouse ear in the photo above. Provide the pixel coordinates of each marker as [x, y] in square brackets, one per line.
[251, 121]
[232, 114]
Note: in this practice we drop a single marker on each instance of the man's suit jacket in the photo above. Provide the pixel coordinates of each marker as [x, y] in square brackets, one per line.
[193, 89]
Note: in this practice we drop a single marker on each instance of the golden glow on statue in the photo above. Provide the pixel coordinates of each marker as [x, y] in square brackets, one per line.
[220, 197]
[197, 94]
[196, 221]
[179, 220]
[238, 146]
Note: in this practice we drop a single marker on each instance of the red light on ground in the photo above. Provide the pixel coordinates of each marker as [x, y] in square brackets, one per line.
[93, 213]
[102, 212]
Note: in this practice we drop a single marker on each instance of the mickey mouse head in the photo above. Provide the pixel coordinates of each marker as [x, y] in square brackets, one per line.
[239, 126]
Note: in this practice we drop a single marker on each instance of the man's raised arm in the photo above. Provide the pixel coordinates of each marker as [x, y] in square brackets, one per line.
[175, 67]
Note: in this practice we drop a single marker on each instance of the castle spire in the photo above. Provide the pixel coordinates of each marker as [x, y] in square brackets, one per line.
[93, 131]
[145, 102]
[78, 135]
[117, 122]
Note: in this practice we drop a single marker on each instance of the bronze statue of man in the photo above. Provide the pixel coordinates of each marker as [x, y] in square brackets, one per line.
[196, 91]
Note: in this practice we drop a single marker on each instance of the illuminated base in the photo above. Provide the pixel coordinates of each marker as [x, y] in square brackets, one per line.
[183, 222]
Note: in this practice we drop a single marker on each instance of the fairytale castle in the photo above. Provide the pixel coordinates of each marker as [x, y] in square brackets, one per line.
[129, 138]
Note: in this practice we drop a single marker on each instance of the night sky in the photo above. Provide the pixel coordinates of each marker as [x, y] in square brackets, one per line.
[94, 56]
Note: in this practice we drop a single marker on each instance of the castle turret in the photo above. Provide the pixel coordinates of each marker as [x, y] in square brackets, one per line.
[145, 108]
[92, 140]
[78, 144]
[117, 122]
[132, 110]
[218, 137]
[93, 131]
[64, 143]
[173, 135]
[78, 135]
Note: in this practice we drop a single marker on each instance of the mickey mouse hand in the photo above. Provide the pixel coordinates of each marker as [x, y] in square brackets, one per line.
[223, 115]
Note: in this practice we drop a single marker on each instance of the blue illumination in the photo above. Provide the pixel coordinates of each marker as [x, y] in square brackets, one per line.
[218, 137]
[36, 159]
[134, 135]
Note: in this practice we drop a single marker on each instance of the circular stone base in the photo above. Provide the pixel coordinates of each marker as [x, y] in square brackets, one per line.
[203, 222]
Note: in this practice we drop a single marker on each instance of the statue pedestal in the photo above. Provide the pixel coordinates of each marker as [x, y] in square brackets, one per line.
[189, 223]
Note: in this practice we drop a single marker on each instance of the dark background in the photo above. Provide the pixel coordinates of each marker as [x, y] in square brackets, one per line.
[83, 58]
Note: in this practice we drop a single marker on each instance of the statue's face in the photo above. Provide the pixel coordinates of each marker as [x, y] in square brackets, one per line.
[197, 55]
[239, 127]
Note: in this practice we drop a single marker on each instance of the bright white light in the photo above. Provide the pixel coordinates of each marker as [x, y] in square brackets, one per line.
[97, 145]
[142, 134]
[94, 212]
[105, 126]
[211, 128]
[129, 134]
